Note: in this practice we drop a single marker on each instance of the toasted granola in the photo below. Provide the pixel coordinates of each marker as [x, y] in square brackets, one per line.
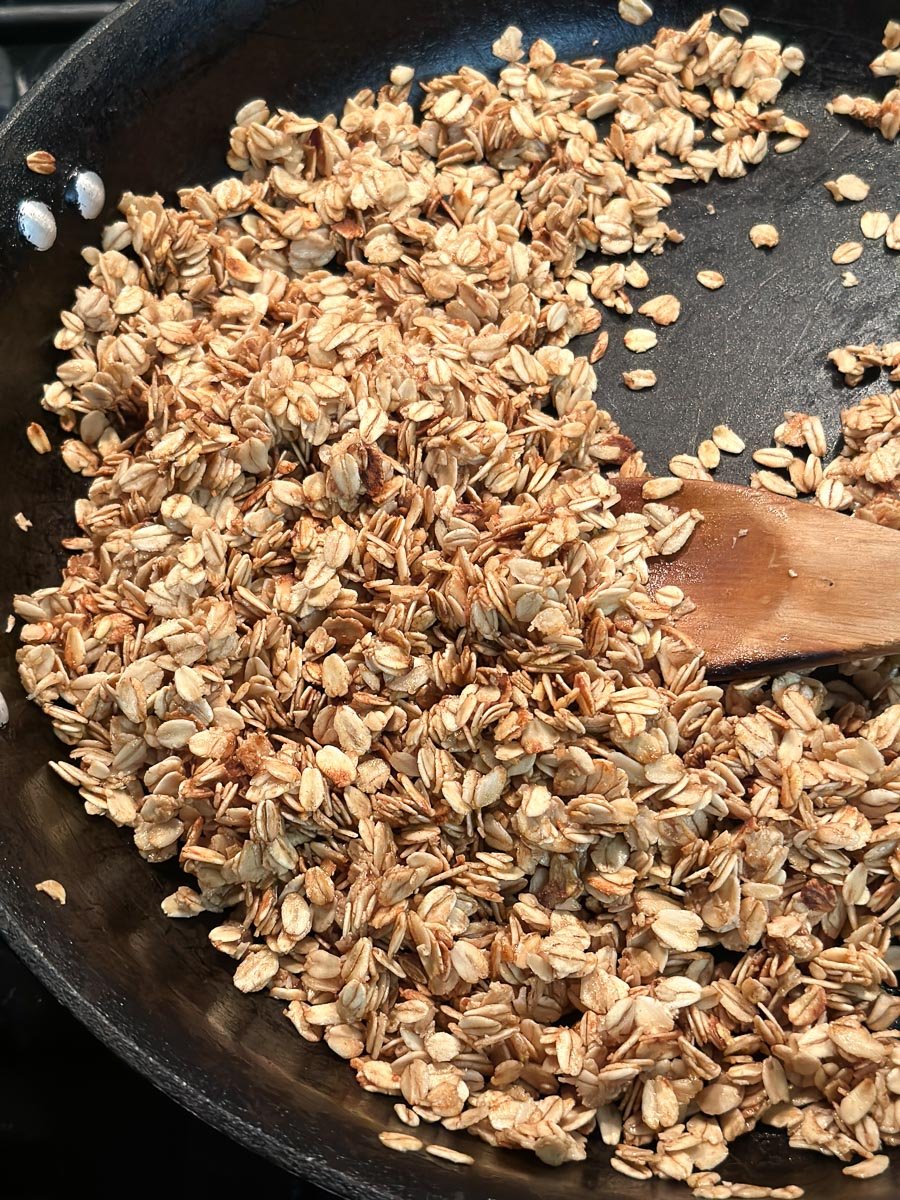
[355, 630]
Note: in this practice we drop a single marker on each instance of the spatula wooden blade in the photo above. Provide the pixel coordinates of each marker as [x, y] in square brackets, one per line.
[779, 584]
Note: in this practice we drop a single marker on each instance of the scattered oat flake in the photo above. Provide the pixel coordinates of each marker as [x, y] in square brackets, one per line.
[848, 279]
[38, 438]
[727, 440]
[868, 1168]
[402, 76]
[794, 59]
[22, 521]
[891, 38]
[874, 225]
[662, 310]
[734, 19]
[764, 236]
[708, 453]
[629, 1169]
[638, 380]
[886, 64]
[508, 45]
[711, 279]
[10, 623]
[773, 483]
[405, 1143]
[892, 234]
[779, 458]
[52, 888]
[453, 1156]
[635, 12]
[688, 466]
[41, 162]
[848, 187]
[846, 252]
[661, 487]
[600, 346]
[640, 340]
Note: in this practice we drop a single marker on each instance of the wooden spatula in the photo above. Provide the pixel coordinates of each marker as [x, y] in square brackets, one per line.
[779, 584]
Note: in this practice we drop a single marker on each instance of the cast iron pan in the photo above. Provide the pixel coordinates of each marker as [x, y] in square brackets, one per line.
[146, 100]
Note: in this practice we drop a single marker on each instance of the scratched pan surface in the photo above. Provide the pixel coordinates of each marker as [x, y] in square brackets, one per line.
[146, 100]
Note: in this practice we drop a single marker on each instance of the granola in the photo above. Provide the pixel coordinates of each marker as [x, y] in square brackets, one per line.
[355, 630]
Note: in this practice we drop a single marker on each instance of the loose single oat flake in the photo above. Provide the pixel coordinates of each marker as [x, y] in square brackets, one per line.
[404, 1143]
[638, 380]
[52, 888]
[41, 162]
[712, 280]
[727, 440]
[708, 453]
[635, 12]
[662, 310]
[640, 340]
[37, 437]
[353, 629]
[734, 19]
[764, 236]
[846, 253]
[874, 224]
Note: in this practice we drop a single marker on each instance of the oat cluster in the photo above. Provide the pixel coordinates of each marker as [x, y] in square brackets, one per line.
[864, 478]
[354, 630]
[883, 114]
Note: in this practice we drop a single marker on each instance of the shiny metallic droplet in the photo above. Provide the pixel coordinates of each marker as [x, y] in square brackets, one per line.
[37, 224]
[88, 194]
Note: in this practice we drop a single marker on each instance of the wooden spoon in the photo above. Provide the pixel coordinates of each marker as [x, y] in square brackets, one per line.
[779, 584]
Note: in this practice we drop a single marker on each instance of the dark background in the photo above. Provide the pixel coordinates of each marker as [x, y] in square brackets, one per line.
[73, 1117]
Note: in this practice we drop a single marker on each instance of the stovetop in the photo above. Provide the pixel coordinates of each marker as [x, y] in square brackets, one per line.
[76, 1120]
[73, 1117]
[21, 63]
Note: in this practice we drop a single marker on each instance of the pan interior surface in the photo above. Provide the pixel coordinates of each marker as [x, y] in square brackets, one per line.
[146, 100]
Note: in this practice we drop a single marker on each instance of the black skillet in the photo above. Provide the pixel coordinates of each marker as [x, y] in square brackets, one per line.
[146, 100]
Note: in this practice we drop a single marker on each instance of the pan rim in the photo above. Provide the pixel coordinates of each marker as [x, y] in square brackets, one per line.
[77, 50]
